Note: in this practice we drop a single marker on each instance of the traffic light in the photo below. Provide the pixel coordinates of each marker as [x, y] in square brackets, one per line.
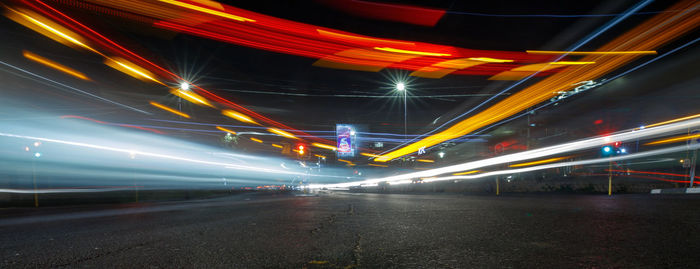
[300, 149]
[613, 149]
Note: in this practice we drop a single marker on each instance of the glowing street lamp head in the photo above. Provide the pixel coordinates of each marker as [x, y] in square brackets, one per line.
[400, 86]
[185, 86]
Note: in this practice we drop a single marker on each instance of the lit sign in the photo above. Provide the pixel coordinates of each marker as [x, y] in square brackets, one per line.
[346, 140]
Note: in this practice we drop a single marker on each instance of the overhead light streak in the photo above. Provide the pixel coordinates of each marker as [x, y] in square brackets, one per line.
[324, 146]
[208, 11]
[256, 140]
[281, 133]
[225, 130]
[237, 116]
[641, 52]
[369, 154]
[192, 97]
[422, 53]
[117, 49]
[278, 146]
[54, 65]
[320, 156]
[539, 162]
[163, 107]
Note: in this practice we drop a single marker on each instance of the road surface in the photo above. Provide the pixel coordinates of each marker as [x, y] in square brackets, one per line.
[353, 230]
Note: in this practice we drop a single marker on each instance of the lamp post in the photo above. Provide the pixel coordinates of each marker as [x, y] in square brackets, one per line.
[185, 87]
[401, 87]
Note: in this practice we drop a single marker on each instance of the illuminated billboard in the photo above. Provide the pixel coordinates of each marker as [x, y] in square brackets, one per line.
[345, 135]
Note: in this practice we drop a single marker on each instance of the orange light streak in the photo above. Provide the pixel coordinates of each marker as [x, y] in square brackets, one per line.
[673, 139]
[256, 140]
[421, 53]
[238, 116]
[225, 130]
[356, 38]
[282, 133]
[466, 173]
[54, 65]
[369, 154]
[642, 52]
[324, 146]
[191, 96]
[208, 11]
[131, 69]
[47, 28]
[163, 107]
[539, 162]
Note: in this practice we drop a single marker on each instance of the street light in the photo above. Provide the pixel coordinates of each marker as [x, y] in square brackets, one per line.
[184, 86]
[400, 86]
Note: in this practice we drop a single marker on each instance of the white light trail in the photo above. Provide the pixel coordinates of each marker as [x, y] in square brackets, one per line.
[531, 154]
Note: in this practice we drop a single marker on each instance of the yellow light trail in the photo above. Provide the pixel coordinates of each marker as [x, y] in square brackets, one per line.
[490, 60]
[225, 130]
[423, 53]
[360, 38]
[653, 33]
[673, 120]
[278, 146]
[163, 107]
[256, 140]
[208, 11]
[282, 133]
[323, 146]
[48, 28]
[369, 155]
[673, 139]
[425, 160]
[320, 156]
[641, 52]
[131, 69]
[345, 161]
[237, 116]
[539, 162]
[54, 65]
[466, 173]
[571, 63]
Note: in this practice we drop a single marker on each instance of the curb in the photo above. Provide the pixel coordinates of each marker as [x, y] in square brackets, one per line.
[676, 191]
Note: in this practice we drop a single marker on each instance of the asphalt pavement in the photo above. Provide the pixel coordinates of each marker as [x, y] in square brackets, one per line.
[359, 230]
